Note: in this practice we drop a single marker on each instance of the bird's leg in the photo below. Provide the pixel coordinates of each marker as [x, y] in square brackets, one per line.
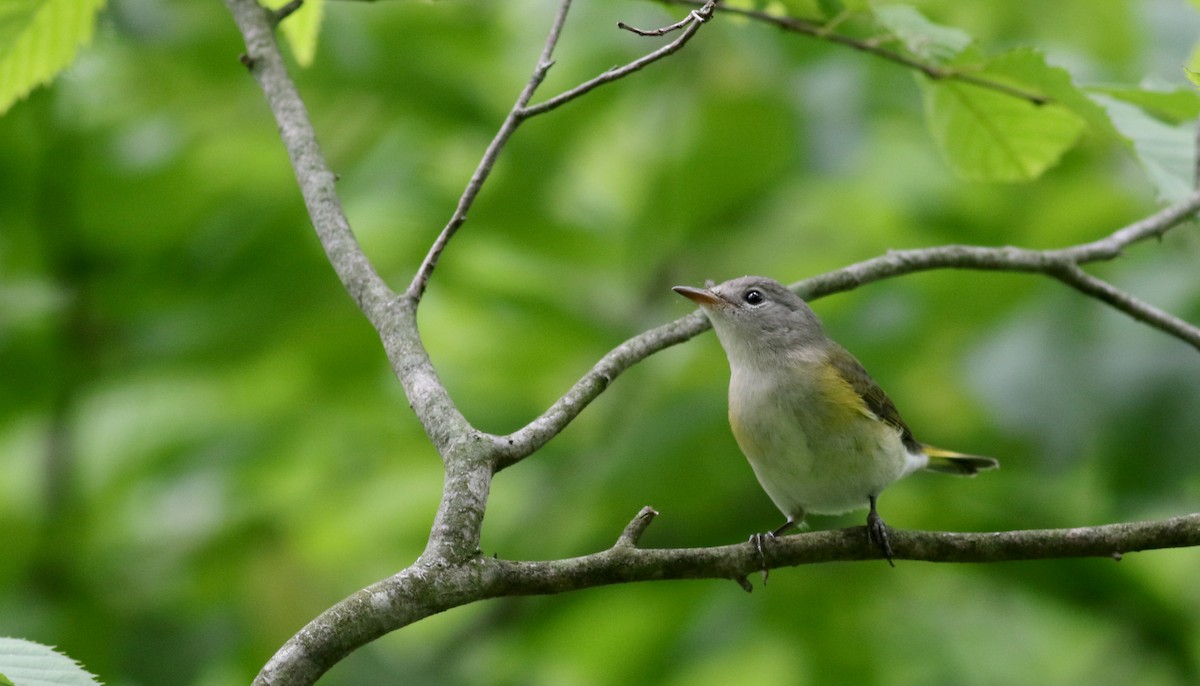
[877, 532]
[759, 539]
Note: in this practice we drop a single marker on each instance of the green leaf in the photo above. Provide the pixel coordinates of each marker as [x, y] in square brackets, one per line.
[988, 135]
[1026, 69]
[301, 28]
[28, 663]
[1166, 152]
[1193, 76]
[38, 39]
[922, 37]
[1168, 106]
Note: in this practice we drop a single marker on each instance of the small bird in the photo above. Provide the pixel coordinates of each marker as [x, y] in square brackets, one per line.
[820, 434]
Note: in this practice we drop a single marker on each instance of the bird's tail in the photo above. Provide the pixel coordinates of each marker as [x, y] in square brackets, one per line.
[950, 462]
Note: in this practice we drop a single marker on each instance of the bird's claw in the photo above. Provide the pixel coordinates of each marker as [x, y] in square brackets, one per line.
[758, 541]
[877, 533]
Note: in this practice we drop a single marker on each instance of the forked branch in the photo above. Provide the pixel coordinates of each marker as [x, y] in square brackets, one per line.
[522, 111]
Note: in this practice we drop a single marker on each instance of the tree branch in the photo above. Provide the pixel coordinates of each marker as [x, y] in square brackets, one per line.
[419, 592]
[315, 179]
[1061, 264]
[465, 451]
[825, 32]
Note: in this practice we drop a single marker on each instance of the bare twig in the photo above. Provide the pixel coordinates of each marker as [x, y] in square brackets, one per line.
[824, 32]
[621, 72]
[522, 111]
[701, 15]
[285, 11]
[514, 118]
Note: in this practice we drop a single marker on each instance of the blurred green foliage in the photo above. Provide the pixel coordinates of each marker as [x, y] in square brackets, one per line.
[202, 445]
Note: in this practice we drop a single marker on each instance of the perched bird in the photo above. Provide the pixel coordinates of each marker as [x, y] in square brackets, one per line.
[820, 434]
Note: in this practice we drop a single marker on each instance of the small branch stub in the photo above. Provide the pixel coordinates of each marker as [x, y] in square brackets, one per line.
[633, 531]
[285, 11]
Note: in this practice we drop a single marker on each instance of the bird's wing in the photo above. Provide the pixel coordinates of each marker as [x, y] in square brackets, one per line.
[876, 400]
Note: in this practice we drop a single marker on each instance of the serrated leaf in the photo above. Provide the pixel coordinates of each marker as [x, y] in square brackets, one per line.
[301, 28]
[1166, 152]
[38, 39]
[989, 136]
[1026, 69]
[1170, 107]
[32, 664]
[922, 37]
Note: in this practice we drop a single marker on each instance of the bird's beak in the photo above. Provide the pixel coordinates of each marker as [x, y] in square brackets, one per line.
[701, 296]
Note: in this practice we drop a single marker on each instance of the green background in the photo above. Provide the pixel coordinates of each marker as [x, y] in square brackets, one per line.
[202, 445]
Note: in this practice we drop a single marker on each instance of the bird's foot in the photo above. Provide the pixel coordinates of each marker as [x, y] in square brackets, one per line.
[877, 532]
[759, 541]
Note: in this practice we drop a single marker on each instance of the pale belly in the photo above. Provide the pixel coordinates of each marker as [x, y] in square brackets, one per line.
[812, 456]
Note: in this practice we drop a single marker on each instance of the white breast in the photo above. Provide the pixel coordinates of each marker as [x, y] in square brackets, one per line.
[803, 465]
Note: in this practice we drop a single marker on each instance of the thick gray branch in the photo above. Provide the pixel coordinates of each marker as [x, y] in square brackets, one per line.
[313, 175]
[420, 591]
[464, 450]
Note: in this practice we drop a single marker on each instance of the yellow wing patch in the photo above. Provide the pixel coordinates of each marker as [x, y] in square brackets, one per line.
[841, 394]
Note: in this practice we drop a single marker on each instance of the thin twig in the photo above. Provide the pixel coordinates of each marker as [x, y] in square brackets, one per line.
[285, 11]
[620, 72]
[522, 111]
[514, 118]
[1074, 276]
[694, 15]
[824, 32]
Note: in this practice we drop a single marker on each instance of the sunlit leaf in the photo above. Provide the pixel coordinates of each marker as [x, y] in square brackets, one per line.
[1169, 106]
[990, 136]
[28, 663]
[1166, 152]
[38, 39]
[987, 134]
[921, 36]
[1026, 69]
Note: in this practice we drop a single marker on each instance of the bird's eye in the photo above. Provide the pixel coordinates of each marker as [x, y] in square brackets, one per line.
[753, 297]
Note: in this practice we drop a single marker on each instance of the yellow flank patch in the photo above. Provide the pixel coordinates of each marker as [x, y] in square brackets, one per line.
[839, 393]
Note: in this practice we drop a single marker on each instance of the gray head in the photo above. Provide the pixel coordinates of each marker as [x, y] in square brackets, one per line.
[755, 316]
